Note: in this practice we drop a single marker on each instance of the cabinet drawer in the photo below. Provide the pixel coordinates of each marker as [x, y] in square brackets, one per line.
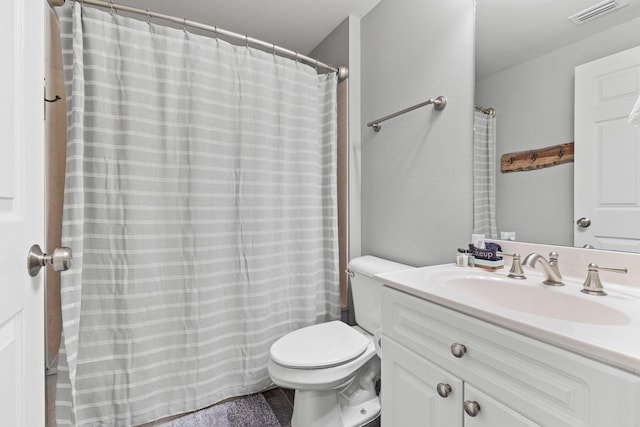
[546, 384]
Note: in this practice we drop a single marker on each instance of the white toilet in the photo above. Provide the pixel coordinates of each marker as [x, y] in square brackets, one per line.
[332, 366]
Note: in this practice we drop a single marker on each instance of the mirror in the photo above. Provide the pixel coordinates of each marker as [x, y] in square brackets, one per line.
[526, 54]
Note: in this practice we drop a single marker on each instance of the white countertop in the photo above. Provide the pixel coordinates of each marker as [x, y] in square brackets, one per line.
[617, 344]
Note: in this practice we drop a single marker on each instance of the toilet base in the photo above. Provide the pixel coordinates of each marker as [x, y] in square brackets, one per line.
[313, 408]
[361, 414]
[353, 405]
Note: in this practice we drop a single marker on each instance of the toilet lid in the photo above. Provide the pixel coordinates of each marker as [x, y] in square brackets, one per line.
[319, 346]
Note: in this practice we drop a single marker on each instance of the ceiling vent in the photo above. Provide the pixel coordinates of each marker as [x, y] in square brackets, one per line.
[597, 11]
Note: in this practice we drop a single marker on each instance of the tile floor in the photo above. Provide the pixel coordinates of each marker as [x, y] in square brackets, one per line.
[280, 400]
[272, 408]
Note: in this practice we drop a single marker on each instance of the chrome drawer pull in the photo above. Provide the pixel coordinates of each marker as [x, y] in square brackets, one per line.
[471, 407]
[458, 350]
[443, 389]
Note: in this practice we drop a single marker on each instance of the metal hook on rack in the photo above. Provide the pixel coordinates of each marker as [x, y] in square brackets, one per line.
[57, 98]
[148, 16]
[112, 8]
[246, 40]
[184, 24]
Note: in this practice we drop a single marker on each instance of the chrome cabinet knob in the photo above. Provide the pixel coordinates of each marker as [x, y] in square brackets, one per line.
[458, 350]
[60, 259]
[443, 389]
[583, 222]
[471, 407]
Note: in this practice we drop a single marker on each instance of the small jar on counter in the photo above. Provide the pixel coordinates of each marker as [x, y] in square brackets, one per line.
[462, 258]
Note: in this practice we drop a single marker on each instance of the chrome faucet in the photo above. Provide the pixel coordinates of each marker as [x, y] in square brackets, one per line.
[516, 267]
[592, 285]
[550, 267]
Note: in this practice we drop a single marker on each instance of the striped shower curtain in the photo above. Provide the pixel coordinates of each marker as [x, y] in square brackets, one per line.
[200, 203]
[484, 174]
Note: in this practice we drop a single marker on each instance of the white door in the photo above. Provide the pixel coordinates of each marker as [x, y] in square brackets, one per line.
[21, 212]
[607, 153]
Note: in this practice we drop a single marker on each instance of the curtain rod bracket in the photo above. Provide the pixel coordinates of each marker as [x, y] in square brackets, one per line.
[343, 72]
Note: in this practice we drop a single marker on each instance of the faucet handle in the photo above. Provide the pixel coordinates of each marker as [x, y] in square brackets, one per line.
[516, 271]
[592, 284]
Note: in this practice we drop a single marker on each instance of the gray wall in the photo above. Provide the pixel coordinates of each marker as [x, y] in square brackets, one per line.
[334, 49]
[342, 47]
[416, 172]
[534, 102]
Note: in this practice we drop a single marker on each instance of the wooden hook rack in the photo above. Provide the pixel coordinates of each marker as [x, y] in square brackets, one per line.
[537, 159]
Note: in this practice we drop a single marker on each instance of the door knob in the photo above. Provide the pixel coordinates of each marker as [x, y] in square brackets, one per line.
[583, 222]
[60, 259]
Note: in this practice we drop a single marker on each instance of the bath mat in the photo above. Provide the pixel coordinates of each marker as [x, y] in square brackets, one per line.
[248, 411]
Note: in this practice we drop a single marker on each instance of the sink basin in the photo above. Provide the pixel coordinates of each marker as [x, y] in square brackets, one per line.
[539, 301]
[605, 328]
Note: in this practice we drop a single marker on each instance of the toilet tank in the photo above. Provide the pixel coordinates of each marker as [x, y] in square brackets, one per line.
[366, 291]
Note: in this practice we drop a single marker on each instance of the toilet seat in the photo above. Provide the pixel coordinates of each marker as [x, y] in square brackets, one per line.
[322, 378]
[319, 346]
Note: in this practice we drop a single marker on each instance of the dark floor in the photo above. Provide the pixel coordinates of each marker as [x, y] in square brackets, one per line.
[272, 408]
[281, 402]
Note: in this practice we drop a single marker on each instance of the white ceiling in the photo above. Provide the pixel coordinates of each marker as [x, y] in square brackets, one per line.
[299, 25]
[509, 32]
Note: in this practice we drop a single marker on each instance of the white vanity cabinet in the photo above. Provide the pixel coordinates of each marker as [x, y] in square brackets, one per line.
[515, 380]
[411, 396]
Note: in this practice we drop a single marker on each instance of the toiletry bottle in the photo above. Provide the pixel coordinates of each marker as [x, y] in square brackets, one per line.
[462, 258]
[477, 240]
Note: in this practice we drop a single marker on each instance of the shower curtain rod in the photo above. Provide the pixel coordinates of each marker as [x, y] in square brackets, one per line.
[342, 71]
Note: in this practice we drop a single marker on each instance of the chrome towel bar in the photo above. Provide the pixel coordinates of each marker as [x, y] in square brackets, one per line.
[438, 103]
